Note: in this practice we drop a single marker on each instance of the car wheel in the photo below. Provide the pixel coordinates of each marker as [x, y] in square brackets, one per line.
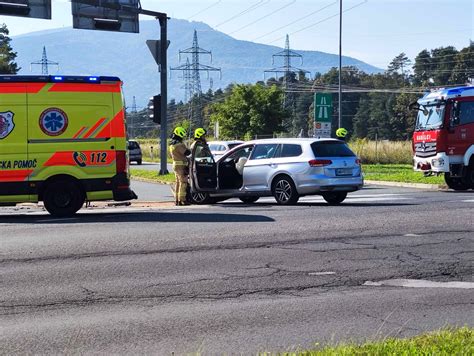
[284, 191]
[456, 183]
[63, 198]
[249, 200]
[200, 198]
[335, 198]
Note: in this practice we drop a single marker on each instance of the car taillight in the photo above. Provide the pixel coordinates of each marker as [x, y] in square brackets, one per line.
[319, 162]
[121, 161]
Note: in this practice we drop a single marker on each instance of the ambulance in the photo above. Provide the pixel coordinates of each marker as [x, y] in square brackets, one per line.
[62, 142]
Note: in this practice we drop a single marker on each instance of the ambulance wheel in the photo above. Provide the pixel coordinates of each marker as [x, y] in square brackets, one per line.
[456, 183]
[63, 198]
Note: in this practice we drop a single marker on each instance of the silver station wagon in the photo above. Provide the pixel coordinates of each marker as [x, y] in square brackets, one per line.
[283, 168]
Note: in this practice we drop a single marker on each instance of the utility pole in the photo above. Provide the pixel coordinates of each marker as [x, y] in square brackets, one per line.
[288, 72]
[339, 121]
[133, 115]
[192, 71]
[45, 63]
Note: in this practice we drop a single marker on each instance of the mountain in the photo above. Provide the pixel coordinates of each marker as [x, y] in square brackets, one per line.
[82, 52]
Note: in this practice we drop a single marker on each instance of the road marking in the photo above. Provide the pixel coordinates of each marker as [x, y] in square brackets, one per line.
[321, 273]
[411, 235]
[420, 283]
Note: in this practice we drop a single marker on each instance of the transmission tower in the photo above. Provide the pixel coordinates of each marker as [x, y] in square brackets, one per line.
[45, 63]
[289, 74]
[192, 73]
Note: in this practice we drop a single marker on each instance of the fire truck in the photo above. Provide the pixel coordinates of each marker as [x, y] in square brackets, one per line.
[62, 141]
[443, 141]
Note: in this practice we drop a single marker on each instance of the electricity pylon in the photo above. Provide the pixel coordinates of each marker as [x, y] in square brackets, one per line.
[289, 75]
[192, 74]
[45, 63]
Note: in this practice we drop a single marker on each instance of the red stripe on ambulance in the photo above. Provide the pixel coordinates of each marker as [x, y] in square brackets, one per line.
[18, 175]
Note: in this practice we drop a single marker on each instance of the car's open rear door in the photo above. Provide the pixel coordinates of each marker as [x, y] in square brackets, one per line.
[203, 169]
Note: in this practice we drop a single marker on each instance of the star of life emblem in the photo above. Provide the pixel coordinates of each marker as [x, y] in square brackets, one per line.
[6, 124]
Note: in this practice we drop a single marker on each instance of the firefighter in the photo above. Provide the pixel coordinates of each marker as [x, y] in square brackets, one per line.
[200, 137]
[179, 151]
[341, 133]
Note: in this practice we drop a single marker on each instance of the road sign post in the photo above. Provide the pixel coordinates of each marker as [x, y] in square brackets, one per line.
[323, 111]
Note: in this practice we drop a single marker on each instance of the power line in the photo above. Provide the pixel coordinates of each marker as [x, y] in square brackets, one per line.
[321, 21]
[296, 21]
[205, 9]
[263, 17]
[246, 11]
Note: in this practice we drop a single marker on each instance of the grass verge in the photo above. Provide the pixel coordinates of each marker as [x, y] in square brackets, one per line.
[398, 173]
[152, 176]
[379, 172]
[444, 342]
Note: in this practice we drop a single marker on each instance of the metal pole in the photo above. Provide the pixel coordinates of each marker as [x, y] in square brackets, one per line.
[340, 64]
[164, 95]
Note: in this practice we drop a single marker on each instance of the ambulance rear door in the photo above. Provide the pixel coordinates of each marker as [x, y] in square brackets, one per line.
[14, 166]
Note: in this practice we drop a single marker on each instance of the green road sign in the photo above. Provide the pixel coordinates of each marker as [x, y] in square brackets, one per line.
[323, 107]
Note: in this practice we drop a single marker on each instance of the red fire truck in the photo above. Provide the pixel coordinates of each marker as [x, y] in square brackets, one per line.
[443, 141]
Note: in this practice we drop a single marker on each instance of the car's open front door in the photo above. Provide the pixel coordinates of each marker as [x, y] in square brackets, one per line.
[203, 171]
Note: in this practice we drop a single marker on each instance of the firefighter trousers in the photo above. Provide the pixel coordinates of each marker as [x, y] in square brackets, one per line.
[181, 174]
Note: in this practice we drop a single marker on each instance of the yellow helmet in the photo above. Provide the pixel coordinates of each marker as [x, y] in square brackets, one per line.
[200, 132]
[180, 132]
[341, 132]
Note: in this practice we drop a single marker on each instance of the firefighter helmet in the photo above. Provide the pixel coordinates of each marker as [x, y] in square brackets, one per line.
[200, 132]
[180, 132]
[341, 132]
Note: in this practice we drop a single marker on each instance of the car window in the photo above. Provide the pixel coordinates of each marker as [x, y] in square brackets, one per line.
[243, 152]
[331, 149]
[203, 154]
[213, 147]
[232, 145]
[221, 148]
[264, 151]
[133, 145]
[290, 150]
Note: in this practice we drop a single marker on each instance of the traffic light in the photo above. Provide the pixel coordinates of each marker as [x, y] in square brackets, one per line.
[154, 109]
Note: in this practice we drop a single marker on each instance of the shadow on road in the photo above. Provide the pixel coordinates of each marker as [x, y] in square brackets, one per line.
[321, 204]
[135, 217]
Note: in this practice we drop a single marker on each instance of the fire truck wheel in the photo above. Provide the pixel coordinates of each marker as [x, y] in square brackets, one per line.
[456, 183]
[63, 198]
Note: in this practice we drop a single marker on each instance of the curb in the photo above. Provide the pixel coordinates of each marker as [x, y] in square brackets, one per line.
[147, 180]
[408, 185]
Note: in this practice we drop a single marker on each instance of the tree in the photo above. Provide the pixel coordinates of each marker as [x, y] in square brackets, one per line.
[464, 66]
[443, 60]
[7, 56]
[250, 110]
[399, 65]
[422, 68]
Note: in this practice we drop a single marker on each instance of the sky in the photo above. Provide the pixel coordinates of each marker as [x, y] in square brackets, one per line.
[374, 31]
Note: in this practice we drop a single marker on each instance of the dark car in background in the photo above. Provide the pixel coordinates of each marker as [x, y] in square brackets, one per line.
[134, 152]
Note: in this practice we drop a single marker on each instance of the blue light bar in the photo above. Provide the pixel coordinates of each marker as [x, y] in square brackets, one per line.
[93, 79]
[58, 79]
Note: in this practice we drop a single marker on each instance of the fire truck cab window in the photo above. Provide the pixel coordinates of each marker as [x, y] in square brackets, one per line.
[466, 112]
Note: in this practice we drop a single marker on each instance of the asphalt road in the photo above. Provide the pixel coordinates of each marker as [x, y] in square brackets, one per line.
[236, 278]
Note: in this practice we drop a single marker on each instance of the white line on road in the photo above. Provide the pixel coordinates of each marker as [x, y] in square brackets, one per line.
[420, 283]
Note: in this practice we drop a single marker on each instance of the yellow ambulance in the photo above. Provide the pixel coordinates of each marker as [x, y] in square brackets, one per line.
[62, 141]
